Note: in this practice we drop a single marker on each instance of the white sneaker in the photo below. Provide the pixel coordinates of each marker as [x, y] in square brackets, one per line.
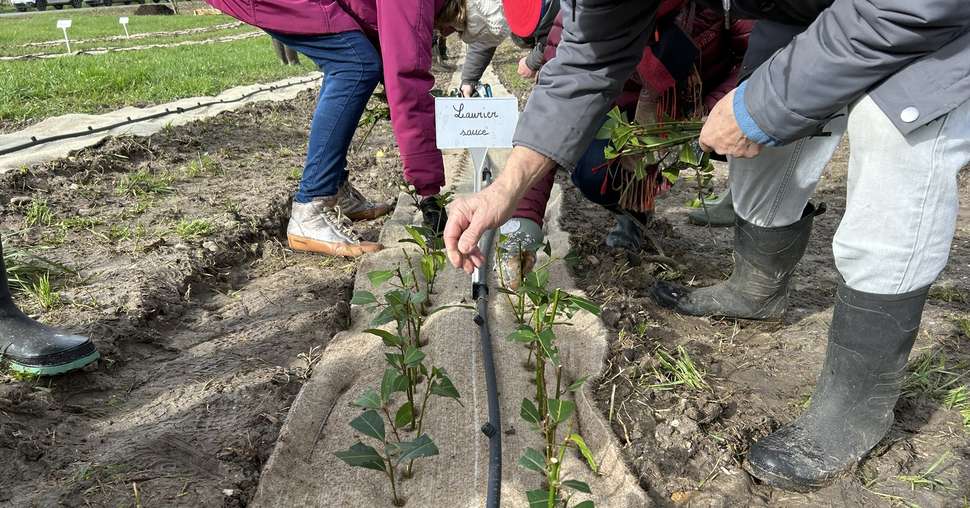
[320, 226]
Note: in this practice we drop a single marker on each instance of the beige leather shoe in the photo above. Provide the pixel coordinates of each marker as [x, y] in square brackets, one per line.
[357, 207]
[321, 226]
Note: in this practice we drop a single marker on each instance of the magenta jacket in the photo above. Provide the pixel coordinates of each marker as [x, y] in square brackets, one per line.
[402, 30]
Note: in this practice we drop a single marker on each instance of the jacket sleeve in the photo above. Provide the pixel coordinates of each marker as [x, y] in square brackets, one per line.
[851, 46]
[406, 28]
[600, 48]
[477, 59]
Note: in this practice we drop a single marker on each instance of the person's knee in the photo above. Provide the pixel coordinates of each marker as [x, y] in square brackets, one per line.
[370, 72]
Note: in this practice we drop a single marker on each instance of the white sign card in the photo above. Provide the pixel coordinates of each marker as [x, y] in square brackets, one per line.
[124, 22]
[64, 24]
[477, 122]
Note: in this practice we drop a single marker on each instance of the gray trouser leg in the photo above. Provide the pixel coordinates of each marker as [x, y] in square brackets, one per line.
[772, 189]
[902, 201]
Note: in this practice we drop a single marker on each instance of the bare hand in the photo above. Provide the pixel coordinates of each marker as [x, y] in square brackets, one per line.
[469, 216]
[722, 134]
[525, 71]
[467, 90]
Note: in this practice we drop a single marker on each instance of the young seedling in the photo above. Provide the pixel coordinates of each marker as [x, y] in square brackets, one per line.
[677, 370]
[549, 411]
[408, 371]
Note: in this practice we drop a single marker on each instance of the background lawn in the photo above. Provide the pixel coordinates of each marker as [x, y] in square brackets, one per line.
[31, 90]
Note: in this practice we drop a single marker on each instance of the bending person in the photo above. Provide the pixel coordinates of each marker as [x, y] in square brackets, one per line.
[858, 59]
[357, 44]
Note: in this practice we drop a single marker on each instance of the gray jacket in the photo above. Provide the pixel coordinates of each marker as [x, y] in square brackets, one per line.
[913, 57]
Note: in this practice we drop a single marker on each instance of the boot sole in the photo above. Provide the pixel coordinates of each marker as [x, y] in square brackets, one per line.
[52, 370]
[780, 482]
[303, 244]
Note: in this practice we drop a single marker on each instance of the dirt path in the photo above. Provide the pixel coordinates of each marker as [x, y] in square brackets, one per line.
[206, 322]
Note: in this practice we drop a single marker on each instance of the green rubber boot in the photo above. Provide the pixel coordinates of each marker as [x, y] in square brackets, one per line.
[718, 213]
[29, 347]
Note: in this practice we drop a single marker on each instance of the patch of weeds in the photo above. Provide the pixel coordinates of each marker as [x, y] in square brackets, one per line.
[310, 360]
[963, 324]
[76, 223]
[929, 479]
[119, 233]
[231, 206]
[38, 214]
[25, 268]
[930, 377]
[959, 399]
[677, 369]
[194, 229]
[144, 182]
[204, 165]
[44, 293]
[296, 174]
[947, 293]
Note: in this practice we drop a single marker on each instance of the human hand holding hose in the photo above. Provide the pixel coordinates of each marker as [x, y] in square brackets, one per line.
[471, 215]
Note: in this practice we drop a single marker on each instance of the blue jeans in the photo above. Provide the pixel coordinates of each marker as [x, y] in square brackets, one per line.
[352, 69]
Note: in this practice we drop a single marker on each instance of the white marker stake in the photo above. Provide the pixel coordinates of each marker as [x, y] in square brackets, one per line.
[124, 22]
[64, 24]
[477, 123]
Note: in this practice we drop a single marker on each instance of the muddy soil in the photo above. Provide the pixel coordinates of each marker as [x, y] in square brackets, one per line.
[208, 324]
[688, 446]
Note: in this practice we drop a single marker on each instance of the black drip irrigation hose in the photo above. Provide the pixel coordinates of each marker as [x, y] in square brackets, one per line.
[493, 427]
[35, 141]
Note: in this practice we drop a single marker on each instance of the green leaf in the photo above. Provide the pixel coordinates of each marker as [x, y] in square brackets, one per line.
[428, 267]
[533, 460]
[379, 277]
[361, 455]
[384, 317]
[390, 339]
[523, 334]
[407, 451]
[539, 498]
[547, 340]
[688, 155]
[584, 304]
[370, 424]
[393, 359]
[585, 504]
[577, 384]
[363, 298]
[443, 387]
[369, 400]
[404, 415]
[671, 176]
[561, 410]
[577, 485]
[392, 382]
[529, 412]
[417, 236]
[413, 356]
[584, 450]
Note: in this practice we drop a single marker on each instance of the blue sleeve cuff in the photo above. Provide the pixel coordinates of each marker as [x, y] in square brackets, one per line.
[748, 126]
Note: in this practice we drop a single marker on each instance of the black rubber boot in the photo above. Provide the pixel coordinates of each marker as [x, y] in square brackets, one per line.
[764, 260]
[435, 216]
[29, 347]
[717, 214]
[852, 408]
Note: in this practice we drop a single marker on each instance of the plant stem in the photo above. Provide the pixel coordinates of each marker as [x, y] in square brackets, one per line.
[391, 422]
[391, 470]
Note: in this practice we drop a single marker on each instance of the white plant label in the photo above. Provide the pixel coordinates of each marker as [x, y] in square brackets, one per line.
[475, 122]
[64, 24]
[124, 22]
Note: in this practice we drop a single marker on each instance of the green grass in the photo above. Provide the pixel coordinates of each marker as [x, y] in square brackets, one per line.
[194, 229]
[93, 23]
[929, 479]
[33, 90]
[44, 293]
[122, 43]
[38, 214]
[144, 182]
[677, 369]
